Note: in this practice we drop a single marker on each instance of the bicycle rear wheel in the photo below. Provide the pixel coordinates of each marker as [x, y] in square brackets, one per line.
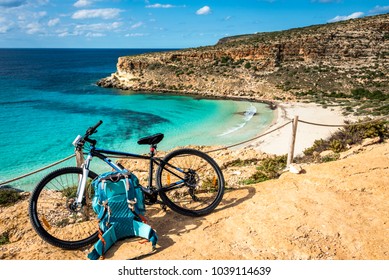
[52, 215]
[190, 182]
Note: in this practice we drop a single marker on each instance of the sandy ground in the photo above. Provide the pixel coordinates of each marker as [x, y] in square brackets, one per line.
[278, 142]
[337, 210]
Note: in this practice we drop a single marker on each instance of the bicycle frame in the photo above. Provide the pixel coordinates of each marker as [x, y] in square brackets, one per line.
[102, 154]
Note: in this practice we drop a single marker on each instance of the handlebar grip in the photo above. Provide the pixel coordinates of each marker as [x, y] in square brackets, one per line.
[97, 125]
[92, 129]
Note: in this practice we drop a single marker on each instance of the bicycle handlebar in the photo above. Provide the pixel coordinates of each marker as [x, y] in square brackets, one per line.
[80, 140]
[92, 129]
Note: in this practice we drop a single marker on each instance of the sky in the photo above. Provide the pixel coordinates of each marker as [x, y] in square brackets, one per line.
[162, 23]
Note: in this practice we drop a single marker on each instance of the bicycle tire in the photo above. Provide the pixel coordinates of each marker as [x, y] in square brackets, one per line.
[51, 217]
[203, 187]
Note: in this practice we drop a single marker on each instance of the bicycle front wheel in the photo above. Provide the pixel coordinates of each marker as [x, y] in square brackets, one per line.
[52, 212]
[190, 182]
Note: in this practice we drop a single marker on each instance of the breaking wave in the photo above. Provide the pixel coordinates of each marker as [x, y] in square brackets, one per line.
[247, 116]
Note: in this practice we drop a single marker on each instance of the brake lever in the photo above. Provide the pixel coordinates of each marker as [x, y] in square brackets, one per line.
[93, 142]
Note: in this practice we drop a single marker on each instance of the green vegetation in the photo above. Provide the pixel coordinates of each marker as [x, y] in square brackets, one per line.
[269, 168]
[9, 196]
[329, 158]
[70, 192]
[352, 134]
[210, 184]
[226, 59]
[240, 163]
[359, 101]
[361, 93]
[247, 65]
[4, 238]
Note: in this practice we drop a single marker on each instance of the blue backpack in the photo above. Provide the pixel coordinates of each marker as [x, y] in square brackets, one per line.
[119, 204]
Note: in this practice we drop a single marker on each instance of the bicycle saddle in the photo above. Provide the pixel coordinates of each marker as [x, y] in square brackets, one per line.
[151, 140]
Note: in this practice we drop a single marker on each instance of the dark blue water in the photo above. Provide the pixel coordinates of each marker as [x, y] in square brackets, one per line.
[49, 96]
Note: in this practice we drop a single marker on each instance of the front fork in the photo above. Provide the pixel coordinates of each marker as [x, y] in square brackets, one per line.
[82, 181]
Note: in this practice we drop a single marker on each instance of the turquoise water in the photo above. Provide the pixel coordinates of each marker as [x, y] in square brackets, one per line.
[48, 97]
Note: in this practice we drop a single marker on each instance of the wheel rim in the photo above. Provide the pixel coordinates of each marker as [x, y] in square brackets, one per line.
[201, 183]
[54, 212]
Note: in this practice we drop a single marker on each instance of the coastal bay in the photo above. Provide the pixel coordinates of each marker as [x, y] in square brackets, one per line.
[310, 72]
[41, 111]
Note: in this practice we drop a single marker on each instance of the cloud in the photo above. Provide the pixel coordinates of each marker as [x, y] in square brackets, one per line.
[136, 35]
[65, 34]
[325, 1]
[94, 35]
[53, 22]
[203, 11]
[98, 26]
[352, 16]
[12, 3]
[4, 29]
[90, 30]
[82, 3]
[379, 10]
[40, 14]
[136, 25]
[34, 28]
[5, 25]
[160, 6]
[108, 13]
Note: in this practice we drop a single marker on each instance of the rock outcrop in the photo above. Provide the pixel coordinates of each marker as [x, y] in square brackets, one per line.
[331, 57]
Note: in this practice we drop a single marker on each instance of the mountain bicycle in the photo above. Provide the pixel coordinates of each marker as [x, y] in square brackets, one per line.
[188, 181]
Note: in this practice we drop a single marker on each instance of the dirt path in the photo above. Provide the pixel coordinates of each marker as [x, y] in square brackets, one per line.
[336, 210]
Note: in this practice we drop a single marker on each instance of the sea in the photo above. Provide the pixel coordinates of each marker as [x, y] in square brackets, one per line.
[49, 96]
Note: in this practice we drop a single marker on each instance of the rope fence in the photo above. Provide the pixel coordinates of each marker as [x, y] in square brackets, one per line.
[344, 125]
[250, 140]
[36, 171]
[294, 122]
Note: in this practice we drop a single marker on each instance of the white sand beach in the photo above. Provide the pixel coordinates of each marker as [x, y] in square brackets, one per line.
[278, 142]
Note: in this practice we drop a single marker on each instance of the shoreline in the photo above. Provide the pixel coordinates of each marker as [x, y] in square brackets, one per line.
[278, 142]
[201, 95]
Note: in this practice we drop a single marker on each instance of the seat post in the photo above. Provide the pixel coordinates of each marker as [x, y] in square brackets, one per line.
[153, 148]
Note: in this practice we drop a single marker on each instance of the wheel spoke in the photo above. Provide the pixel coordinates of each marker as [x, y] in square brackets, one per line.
[204, 183]
[51, 214]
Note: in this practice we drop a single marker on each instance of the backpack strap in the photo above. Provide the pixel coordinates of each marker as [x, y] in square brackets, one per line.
[102, 198]
[130, 188]
[102, 245]
[141, 228]
[109, 238]
[145, 231]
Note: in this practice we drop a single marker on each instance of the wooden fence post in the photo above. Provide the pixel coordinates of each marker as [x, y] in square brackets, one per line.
[292, 141]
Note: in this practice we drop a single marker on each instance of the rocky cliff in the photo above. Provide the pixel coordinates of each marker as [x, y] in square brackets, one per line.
[334, 57]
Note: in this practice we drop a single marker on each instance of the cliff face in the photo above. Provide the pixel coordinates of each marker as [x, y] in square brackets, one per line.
[332, 57]
[195, 71]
